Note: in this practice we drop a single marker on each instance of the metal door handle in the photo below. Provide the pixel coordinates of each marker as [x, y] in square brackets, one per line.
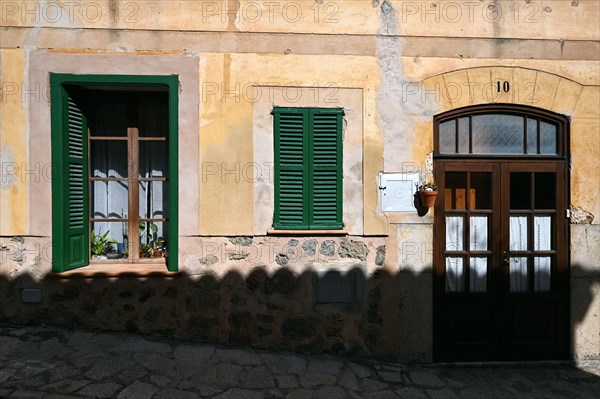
[505, 260]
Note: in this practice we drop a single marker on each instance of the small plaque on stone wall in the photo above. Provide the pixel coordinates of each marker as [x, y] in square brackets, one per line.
[336, 286]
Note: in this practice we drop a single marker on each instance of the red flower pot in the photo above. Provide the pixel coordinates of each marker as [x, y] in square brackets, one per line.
[428, 198]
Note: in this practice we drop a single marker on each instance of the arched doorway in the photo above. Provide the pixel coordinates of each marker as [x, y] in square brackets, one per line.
[501, 239]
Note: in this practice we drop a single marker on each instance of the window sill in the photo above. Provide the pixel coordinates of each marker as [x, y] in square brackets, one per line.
[273, 232]
[112, 269]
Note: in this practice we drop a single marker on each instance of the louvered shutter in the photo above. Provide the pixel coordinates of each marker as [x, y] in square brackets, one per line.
[291, 164]
[308, 168]
[70, 192]
[326, 168]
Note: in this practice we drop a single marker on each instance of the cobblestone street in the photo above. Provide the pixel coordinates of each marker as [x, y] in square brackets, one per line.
[48, 362]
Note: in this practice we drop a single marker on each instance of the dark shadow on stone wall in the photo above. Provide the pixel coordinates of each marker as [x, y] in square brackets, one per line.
[389, 318]
[282, 311]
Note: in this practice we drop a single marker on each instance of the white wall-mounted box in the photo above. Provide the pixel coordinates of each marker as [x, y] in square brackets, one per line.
[397, 190]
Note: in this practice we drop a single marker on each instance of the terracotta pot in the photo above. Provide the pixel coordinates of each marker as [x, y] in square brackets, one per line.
[428, 198]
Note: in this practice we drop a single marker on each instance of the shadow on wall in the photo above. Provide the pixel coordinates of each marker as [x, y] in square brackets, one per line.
[344, 313]
[382, 316]
[585, 305]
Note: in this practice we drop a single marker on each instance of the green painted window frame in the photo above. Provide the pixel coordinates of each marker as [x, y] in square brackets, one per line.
[309, 170]
[59, 147]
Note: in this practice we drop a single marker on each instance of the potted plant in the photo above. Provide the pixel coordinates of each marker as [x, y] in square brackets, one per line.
[428, 192]
[101, 245]
[146, 251]
[159, 247]
[147, 235]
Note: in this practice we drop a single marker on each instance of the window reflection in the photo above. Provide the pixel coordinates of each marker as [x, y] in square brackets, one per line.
[455, 190]
[481, 191]
[520, 193]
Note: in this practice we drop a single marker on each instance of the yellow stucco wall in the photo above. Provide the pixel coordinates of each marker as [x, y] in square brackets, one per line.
[15, 169]
[531, 19]
[226, 100]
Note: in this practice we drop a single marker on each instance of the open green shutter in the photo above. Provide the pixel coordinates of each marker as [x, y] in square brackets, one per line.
[326, 169]
[291, 165]
[70, 190]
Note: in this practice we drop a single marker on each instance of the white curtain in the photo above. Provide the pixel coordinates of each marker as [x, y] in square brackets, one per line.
[109, 198]
[542, 239]
[542, 234]
[479, 233]
[518, 273]
[454, 274]
[518, 233]
[478, 276]
[153, 163]
[518, 242]
[454, 233]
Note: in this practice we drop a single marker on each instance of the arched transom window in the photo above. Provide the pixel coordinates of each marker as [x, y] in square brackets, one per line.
[506, 130]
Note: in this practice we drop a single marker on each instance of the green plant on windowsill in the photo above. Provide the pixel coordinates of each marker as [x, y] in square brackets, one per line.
[149, 236]
[101, 244]
[146, 251]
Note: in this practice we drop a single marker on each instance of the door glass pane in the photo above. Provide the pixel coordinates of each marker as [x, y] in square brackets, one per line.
[520, 192]
[545, 190]
[478, 233]
[518, 274]
[448, 137]
[153, 199]
[108, 159]
[542, 236]
[541, 269]
[455, 190]
[109, 199]
[532, 125]
[481, 191]
[518, 233]
[454, 233]
[455, 276]
[498, 134]
[548, 138]
[114, 245]
[478, 281]
[463, 135]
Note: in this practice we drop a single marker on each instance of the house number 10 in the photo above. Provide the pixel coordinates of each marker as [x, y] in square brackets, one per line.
[505, 86]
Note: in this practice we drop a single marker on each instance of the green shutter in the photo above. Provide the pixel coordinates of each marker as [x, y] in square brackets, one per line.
[70, 189]
[308, 168]
[291, 164]
[173, 211]
[326, 169]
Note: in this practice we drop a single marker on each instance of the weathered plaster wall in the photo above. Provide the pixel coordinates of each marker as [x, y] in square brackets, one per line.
[186, 67]
[585, 290]
[15, 170]
[351, 100]
[536, 19]
[235, 87]
[408, 60]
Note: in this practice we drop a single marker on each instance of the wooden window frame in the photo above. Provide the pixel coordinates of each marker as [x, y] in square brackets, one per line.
[527, 112]
[60, 185]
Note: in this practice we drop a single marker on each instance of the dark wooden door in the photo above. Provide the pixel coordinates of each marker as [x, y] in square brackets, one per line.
[500, 263]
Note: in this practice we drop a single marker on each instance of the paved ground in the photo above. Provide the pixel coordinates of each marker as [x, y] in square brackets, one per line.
[45, 362]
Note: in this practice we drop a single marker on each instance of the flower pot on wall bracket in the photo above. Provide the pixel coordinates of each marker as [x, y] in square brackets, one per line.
[428, 198]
